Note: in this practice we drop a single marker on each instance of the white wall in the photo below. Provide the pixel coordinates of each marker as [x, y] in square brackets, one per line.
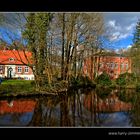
[16, 75]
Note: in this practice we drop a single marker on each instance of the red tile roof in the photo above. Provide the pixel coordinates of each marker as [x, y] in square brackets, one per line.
[19, 57]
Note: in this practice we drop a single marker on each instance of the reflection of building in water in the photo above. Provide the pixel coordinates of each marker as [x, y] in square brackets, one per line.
[17, 106]
[10, 103]
[110, 104]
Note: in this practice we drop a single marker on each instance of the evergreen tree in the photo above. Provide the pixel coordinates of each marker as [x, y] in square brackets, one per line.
[136, 39]
[35, 33]
[135, 50]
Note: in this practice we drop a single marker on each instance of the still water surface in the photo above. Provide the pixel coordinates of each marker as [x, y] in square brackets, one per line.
[77, 109]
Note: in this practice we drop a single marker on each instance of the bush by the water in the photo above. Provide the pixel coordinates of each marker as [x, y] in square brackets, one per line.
[126, 78]
[103, 92]
[81, 81]
[138, 87]
[103, 79]
[126, 96]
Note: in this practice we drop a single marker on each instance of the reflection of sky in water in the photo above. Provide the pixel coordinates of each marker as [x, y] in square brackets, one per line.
[55, 111]
[15, 119]
[52, 113]
[117, 119]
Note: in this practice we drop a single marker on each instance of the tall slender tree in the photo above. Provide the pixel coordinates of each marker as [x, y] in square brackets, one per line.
[35, 34]
[135, 50]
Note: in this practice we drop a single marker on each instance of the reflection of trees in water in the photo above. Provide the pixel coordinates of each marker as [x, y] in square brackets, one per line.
[42, 115]
[91, 103]
[64, 111]
[49, 120]
[126, 95]
[76, 109]
[37, 115]
[50, 115]
[80, 111]
[72, 112]
[133, 97]
[99, 107]
[135, 113]
[16, 118]
[80, 115]
[73, 108]
[103, 92]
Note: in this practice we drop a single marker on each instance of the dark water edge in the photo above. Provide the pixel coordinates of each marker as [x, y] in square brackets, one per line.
[79, 109]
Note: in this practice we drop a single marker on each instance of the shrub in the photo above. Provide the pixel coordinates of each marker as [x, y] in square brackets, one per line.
[103, 79]
[103, 93]
[32, 83]
[81, 81]
[125, 96]
[126, 78]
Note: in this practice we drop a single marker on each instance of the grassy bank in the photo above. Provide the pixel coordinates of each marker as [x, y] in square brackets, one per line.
[16, 86]
[15, 82]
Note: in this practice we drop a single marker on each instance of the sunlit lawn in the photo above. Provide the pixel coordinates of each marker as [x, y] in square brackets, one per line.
[16, 86]
[16, 82]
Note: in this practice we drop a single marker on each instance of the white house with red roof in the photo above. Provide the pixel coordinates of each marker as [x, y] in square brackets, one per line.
[15, 64]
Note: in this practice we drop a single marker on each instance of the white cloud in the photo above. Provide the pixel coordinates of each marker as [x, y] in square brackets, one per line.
[129, 46]
[118, 31]
[112, 23]
[114, 36]
[121, 25]
[116, 50]
[131, 27]
[123, 36]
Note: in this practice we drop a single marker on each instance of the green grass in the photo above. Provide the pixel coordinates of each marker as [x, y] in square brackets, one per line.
[16, 86]
[16, 82]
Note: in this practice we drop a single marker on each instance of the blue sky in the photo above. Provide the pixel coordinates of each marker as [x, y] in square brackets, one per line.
[121, 26]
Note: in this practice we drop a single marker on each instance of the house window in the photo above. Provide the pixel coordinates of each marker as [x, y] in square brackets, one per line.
[112, 65]
[107, 64]
[100, 65]
[1, 69]
[126, 66]
[19, 69]
[122, 66]
[26, 78]
[116, 65]
[32, 78]
[117, 74]
[26, 69]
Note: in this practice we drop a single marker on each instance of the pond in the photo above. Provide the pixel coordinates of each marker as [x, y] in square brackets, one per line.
[77, 108]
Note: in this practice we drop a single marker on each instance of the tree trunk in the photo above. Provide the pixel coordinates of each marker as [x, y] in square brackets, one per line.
[63, 46]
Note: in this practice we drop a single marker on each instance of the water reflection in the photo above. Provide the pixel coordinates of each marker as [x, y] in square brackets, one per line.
[77, 108]
[135, 113]
[109, 104]
[16, 112]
